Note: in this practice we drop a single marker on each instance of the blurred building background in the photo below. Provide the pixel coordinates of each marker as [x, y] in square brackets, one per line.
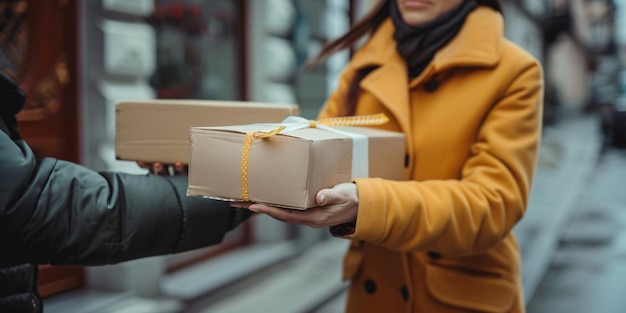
[75, 59]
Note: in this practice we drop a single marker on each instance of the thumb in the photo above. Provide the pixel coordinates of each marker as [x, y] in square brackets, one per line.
[323, 196]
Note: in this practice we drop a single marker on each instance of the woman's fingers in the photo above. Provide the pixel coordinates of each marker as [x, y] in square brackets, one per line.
[285, 215]
[339, 194]
[241, 205]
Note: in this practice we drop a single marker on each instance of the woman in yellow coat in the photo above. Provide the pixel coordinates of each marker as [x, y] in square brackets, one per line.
[470, 103]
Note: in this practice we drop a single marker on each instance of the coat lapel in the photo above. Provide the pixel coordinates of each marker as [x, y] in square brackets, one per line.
[388, 83]
[478, 43]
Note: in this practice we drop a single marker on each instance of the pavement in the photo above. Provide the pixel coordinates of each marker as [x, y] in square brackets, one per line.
[568, 154]
[587, 272]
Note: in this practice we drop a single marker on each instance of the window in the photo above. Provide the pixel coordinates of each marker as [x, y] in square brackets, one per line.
[199, 49]
[200, 55]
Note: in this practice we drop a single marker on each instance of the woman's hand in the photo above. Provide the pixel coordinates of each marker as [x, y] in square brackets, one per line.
[337, 205]
[158, 168]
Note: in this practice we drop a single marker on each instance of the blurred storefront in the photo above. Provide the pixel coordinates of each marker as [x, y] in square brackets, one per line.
[570, 38]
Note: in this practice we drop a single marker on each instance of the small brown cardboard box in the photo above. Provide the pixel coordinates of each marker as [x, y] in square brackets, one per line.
[158, 130]
[285, 170]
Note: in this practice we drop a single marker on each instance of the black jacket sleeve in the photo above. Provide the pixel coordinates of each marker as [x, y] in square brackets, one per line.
[57, 212]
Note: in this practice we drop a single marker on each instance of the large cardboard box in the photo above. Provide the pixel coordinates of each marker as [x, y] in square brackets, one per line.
[287, 169]
[158, 130]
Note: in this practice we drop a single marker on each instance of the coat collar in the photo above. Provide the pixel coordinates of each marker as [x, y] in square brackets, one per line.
[478, 44]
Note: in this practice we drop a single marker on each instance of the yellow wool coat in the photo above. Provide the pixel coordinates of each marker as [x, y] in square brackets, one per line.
[441, 240]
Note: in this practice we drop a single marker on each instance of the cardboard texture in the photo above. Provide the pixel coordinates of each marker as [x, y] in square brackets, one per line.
[158, 130]
[285, 170]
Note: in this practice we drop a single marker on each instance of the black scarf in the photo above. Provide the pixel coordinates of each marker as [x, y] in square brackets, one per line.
[418, 44]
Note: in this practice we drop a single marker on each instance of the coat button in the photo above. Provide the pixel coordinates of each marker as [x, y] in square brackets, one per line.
[370, 286]
[431, 85]
[434, 255]
[405, 293]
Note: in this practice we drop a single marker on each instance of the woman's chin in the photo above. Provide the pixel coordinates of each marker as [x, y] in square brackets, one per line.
[416, 18]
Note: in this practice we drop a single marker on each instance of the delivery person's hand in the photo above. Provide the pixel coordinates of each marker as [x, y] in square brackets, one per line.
[337, 205]
[158, 168]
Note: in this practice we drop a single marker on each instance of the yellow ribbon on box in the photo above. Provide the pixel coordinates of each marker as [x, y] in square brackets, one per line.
[293, 123]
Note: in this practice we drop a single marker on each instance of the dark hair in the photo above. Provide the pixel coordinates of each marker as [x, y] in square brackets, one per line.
[368, 24]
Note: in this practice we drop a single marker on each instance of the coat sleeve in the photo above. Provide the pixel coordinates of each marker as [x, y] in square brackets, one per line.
[56, 212]
[476, 212]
